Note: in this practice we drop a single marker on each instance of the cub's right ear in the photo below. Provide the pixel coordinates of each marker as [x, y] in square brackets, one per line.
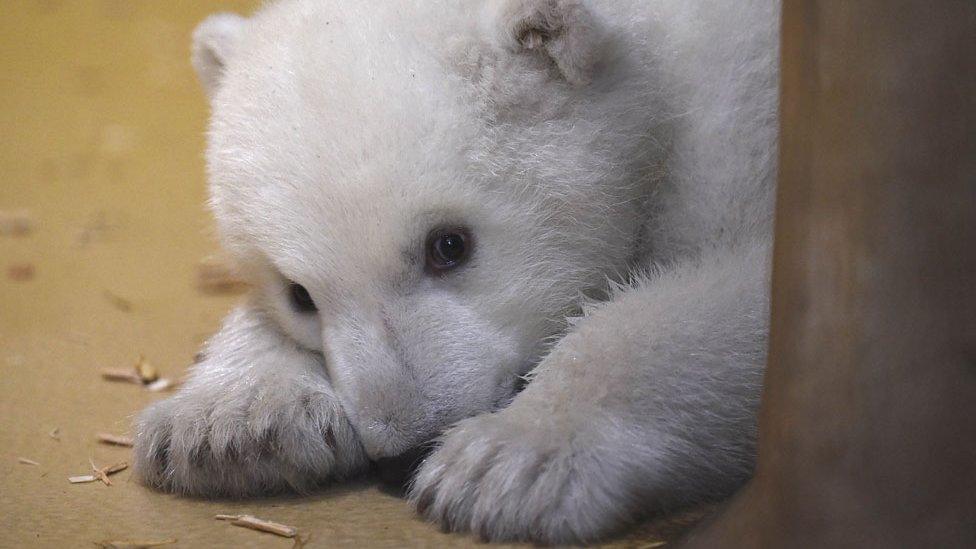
[215, 41]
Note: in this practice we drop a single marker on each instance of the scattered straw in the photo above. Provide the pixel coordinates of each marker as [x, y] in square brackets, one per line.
[104, 472]
[142, 373]
[247, 521]
[100, 473]
[27, 461]
[114, 440]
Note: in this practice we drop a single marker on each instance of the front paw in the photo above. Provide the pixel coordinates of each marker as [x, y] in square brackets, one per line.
[258, 442]
[514, 476]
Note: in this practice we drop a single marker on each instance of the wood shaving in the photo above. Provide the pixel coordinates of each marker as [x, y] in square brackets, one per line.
[247, 521]
[146, 371]
[161, 384]
[118, 467]
[218, 276]
[27, 461]
[133, 543]
[16, 223]
[120, 374]
[114, 440]
[21, 272]
[142, 373]
[100, 473]
[55, 434]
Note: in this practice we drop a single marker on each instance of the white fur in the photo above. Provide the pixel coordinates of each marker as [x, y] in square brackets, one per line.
[258, 416]
[214, 43]
[580, 142]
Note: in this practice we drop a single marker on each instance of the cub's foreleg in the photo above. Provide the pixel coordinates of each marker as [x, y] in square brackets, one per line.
[649, 403]
[256, 416]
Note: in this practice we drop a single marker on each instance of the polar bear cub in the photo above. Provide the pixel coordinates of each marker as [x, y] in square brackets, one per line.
[438, 201]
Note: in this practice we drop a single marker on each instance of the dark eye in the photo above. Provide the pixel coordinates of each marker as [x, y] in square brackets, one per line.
[300, 300]
[447, 248]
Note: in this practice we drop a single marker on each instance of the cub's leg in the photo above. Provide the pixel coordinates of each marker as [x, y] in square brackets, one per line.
[649, 403]
[256, 416]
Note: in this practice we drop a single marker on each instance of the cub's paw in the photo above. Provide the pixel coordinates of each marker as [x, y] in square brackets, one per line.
[260, 440]
[517, 476]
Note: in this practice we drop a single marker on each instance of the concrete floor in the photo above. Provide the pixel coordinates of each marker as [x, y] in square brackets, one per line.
[102, 141]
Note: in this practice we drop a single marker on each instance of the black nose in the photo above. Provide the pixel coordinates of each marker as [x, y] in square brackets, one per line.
[396, 472]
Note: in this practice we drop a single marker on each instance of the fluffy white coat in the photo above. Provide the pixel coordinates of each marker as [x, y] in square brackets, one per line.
[613, 161]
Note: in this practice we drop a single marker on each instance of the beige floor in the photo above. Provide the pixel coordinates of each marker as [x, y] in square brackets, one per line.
[101, 139]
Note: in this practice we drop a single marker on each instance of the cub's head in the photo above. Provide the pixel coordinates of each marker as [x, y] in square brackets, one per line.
[421, 192]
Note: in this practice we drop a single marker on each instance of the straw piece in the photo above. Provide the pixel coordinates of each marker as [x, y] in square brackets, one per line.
[102, 473]
[118, 467]
[254, 523]
[147, 372]
[142, 373]
[121, 374]
[160, 384]
[27, 461]
[114, 440]
[82, 479]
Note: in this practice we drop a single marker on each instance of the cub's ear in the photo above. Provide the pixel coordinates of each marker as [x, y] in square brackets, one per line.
[215, 41]
[562, 30]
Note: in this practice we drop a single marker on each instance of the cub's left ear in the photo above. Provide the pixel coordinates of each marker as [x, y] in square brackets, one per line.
[215, 41]
[562, 30]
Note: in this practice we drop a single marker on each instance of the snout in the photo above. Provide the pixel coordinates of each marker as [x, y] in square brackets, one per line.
[395, 472]
[404, 377]
[377, 383]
